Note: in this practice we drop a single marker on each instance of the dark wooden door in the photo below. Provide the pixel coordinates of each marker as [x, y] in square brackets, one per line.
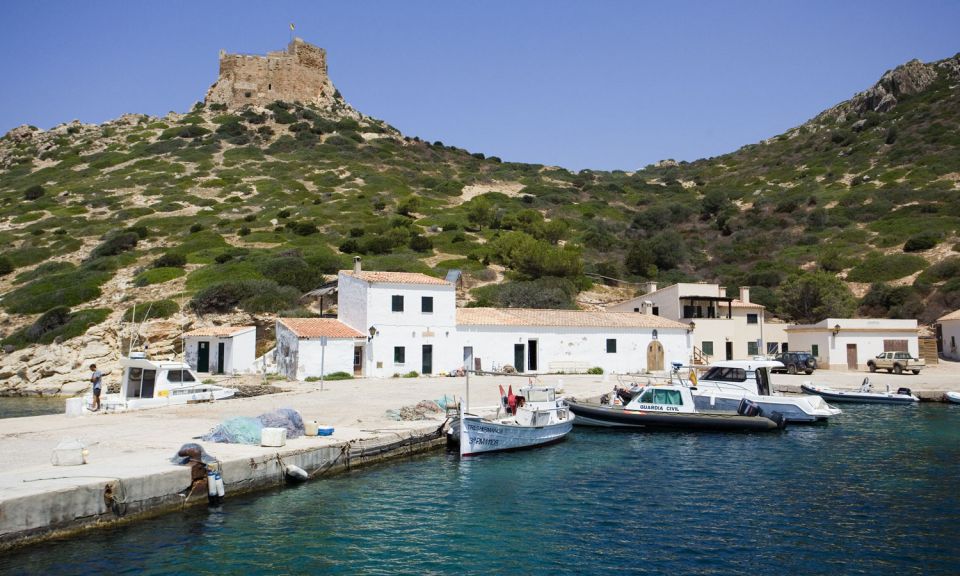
[427, 359]
[203, 356]
[358, 360]
[518, 354]
[655, 356]
[532, 355]
[729, 350]
[220, 355]
[852, 356]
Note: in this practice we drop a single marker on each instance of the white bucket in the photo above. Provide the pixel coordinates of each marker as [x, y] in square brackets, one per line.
[310, 427]
[273, 437]
[74, 406]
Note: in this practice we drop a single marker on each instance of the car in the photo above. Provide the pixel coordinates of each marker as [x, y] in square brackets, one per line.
[896, 362]
[794, 362]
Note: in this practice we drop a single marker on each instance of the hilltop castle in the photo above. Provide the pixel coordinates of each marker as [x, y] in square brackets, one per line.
[298, 73]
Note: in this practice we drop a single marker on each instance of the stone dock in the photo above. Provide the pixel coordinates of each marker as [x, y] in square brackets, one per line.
[129, 474]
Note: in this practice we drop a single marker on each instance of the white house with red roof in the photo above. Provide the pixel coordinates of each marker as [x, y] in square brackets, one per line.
[311, 346]
[221, 349]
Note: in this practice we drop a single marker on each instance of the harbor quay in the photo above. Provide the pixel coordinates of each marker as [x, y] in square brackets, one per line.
[129, 474]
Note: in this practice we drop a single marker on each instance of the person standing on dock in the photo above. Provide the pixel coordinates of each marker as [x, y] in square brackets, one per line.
[96, 378]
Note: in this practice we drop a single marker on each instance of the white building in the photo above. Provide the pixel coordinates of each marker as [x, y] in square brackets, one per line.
[724, 328]
[848, 343]
[570, 340]
[304, 344]
[221, 349]
[950, 334]
[394, 323]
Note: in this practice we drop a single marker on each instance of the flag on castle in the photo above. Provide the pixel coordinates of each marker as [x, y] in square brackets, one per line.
[291, 26]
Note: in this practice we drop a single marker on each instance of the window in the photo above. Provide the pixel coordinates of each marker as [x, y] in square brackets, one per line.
[667, 397]
[611, 345]
[399, 354]
[656, 310]
[636, 309]
[752, 349]
[180, 376]
[397, 303]
[426, 305]
[772, 348]
[707, 348]
[752, 318]
[815, 349]
[722, 374]
[785, 347]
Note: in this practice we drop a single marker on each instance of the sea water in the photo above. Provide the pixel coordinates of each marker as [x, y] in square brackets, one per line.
[874, 492]
[17, 406]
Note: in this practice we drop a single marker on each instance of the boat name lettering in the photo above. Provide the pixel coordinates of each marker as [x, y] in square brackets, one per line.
[475, 428]
[482, 441]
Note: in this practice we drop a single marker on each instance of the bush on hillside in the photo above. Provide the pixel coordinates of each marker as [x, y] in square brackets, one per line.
[6, 265]
[881, 268]
[34, 192]
[553, 293]
[157, 276]
[66, 289]
[923, 241]
[251, 295]
[73, 325]
[943, 270]
[50, 320]
[151, 311]
[114, 244]
[292, 271]
[170, 260]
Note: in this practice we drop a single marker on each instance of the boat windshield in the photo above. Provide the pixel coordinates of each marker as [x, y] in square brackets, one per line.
[662, 396]
[183, 375]
[724, 374]
[534, 395]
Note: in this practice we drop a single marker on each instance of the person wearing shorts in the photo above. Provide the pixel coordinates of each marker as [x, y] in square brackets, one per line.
[96, 378]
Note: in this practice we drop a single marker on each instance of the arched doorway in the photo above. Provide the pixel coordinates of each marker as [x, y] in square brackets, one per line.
[655, 356]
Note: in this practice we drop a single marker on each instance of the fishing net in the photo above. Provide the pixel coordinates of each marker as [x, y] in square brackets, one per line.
[246, 430]
[283, 418]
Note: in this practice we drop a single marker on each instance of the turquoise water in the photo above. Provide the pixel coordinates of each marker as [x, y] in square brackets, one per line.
[875, 492]
[15, 407]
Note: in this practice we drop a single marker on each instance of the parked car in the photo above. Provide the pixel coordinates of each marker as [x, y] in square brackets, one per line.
[794, 362]
[896, 362]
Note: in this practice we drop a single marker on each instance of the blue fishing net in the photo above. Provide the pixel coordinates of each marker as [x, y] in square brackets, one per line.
[246, 430]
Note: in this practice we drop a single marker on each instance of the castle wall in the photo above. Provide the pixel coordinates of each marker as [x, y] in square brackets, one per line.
[297, 74]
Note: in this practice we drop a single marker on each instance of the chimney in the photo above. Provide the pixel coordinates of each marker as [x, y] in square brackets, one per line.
[356, 265]
[650, 287]
[647, 307]
[745, 294]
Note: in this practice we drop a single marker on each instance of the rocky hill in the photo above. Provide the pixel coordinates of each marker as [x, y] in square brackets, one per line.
[234, 210]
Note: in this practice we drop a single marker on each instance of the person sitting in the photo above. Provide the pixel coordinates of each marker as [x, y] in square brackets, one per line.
[867, 386]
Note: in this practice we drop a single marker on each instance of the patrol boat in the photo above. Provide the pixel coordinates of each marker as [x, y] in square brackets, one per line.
[670, 406]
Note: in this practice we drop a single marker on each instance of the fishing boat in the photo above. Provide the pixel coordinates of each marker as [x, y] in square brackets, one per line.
[865, 395]
[671, 406]
[726, 383]
[953, 397]
[153, 384]
[536, 418]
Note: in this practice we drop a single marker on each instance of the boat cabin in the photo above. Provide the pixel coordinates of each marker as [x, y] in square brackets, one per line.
[662, 398]
[752, 376]
[146, 379]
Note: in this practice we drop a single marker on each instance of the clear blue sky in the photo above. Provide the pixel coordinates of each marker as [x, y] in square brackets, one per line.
[591, 84]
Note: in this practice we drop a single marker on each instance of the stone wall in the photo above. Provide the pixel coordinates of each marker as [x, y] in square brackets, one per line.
[298, 74]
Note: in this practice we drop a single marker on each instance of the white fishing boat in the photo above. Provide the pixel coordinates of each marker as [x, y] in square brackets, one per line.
[153, 384]
[953, 397]
[539, 418]
[865, 395]
[726, 383]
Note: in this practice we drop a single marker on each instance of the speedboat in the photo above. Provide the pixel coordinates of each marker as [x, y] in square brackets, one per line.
[953, 397]
[537, 418]
[725, 384]
[671, 406]
[153, 384]
[865, 395]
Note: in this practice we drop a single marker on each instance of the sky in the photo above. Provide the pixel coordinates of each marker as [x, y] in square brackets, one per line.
[599, 84]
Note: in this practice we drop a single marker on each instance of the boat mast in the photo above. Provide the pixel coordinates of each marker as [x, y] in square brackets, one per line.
[469, 362]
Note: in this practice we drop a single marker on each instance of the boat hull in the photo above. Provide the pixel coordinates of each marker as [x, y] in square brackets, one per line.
[855, 397]
[478, 436]
[953, 397]
[589, 414]
[792, 409]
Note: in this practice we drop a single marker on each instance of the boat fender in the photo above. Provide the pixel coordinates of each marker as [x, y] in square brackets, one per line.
[904, 391]
[211, 484]
[296, 474]
[779, 419]
[220, 488]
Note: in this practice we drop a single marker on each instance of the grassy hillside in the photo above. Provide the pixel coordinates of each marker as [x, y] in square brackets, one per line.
[249, 208]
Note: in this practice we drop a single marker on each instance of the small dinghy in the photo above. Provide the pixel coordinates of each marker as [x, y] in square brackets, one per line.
[865, 395]
[953, 397]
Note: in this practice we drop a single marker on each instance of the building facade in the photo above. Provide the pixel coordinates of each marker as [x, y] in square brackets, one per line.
[950, 334]
[313, 346]
[848, 343]
[221, 349]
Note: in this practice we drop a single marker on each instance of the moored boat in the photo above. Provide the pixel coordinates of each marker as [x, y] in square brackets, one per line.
[537, 419]
[152, 384]
[671, 406]
[953, 397]
[865, 395]
[726, 383]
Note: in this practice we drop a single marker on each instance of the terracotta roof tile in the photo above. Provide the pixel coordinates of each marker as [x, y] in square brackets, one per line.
[742, 304]
[317, 327]
[219, 331]
[397, 278]
[955, 315]
[561, 318]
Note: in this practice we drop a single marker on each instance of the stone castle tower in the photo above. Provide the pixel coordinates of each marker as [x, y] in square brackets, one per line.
[298, 73]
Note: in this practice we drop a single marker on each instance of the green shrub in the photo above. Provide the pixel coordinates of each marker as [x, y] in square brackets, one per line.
[553, 293]
[6, 265]
[411, 374]
[188, 131]
[251, 295]
[151, 311]
[304, 228]
[243, 231]
[218, 107]
[116, 243]
[881, 268]
[923, 241]
[50, 320]
[34, 192]
[170, 260]
[157, 276]
[292, 271]
[943, 270]
[333, 376]
[27, 255]
[66, 289]
[421, 243]
[196, 228]
[595, 370]
[75, 325]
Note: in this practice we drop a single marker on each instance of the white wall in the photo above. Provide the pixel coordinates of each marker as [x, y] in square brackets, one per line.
[563, 346]
[287, 352]
[244, 353]
[352, 302]
[832, 349]
[338, 357]
[239, 351]
[951, 338]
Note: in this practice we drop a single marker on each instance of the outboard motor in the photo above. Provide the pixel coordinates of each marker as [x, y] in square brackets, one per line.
[748, 408]
[779, 419]
[904, 391]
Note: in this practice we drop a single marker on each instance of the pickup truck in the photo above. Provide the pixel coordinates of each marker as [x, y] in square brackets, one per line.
[896, 362]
